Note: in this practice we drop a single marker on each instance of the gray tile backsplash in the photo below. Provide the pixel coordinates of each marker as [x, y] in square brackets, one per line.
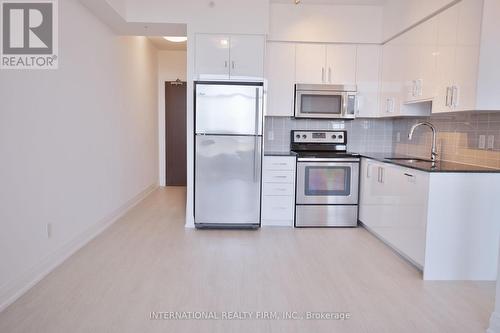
[459, 136]
[364, 135]
[458, 140]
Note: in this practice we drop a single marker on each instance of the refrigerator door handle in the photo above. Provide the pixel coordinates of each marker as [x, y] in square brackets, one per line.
[257, 153]
[258, 112]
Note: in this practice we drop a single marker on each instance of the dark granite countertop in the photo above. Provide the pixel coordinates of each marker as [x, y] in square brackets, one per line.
[440, 166]
[279, 153]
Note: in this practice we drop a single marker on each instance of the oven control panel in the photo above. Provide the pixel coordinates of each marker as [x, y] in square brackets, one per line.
[328, 137]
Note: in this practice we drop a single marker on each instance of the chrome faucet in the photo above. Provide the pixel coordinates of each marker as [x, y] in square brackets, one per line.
[425, 123]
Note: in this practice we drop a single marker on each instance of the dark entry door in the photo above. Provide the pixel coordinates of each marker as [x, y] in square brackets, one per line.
[175, 125]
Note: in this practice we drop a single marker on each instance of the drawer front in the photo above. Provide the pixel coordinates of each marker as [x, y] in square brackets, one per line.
[279, 163]
[326, 216]
[272, 176]
[277, 208]
[278, 189]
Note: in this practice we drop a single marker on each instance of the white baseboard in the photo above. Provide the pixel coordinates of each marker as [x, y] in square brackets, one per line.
[14, 289]
[494, 323]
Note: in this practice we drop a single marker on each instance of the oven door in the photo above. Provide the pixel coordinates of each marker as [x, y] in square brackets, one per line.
[327, 182]
[320, 104]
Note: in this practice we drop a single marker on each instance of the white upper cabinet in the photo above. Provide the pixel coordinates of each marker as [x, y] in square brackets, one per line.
[326, 64]
[341, 64]
[419, 54]
[459, 33]
[445, 60]
[229, 57]
[368, 80]
[408, 72]
[212, 56]
[467, 62]
[467, 55]
[438, 60]
[247, 57]
[280, 74]
[391, 85]
[310, 63]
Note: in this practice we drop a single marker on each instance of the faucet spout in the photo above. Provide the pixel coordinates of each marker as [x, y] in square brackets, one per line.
[434, 132]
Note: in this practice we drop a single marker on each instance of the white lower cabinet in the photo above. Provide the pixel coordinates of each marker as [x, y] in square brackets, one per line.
[446, 223]
[393, 205]
[278, 191]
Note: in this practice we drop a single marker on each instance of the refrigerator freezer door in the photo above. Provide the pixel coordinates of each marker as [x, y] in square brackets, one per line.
[229, 109]
[227, 180]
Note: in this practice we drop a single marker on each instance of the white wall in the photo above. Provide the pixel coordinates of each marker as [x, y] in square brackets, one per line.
[401, 14]
[226, 16]
[495, 316]
[172, 65]
[120, 6]
[325, 23]
[77, 145]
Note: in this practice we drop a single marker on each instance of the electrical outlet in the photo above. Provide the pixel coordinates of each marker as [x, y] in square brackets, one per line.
[491, 142]
[270, 136]
[49, 230]
[482, 142]
[398, 137]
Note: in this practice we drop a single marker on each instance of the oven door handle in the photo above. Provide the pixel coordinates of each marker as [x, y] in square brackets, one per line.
[329, 160]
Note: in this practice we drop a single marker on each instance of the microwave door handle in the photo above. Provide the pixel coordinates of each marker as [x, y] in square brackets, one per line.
[344, 105]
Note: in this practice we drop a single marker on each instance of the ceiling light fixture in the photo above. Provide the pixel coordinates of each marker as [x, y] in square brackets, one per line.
[176, 39]
[297, 2]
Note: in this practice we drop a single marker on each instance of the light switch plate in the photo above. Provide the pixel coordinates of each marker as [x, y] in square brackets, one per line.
[482, 142]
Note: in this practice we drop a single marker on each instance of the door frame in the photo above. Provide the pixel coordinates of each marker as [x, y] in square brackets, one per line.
[162, 130]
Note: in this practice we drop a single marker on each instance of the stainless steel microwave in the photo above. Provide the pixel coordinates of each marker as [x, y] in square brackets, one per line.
[325, 101]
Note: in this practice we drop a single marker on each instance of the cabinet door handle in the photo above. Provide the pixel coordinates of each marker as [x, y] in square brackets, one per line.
[381, 175]
[414, 89]
[225, 64]
[330, 74]
[454, 96]
[409, 175]
[447, 96]
[323, 74]
[232, 64]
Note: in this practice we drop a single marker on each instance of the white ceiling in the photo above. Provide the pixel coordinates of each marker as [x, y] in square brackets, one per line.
[163, 44]
[336, 2]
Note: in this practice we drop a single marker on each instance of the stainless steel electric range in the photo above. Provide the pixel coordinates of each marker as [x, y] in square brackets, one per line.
[327, 180]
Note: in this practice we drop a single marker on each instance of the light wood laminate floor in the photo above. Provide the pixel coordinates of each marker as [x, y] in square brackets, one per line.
[148, 261]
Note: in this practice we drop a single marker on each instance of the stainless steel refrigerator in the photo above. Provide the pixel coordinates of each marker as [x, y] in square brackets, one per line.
[228, 154]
